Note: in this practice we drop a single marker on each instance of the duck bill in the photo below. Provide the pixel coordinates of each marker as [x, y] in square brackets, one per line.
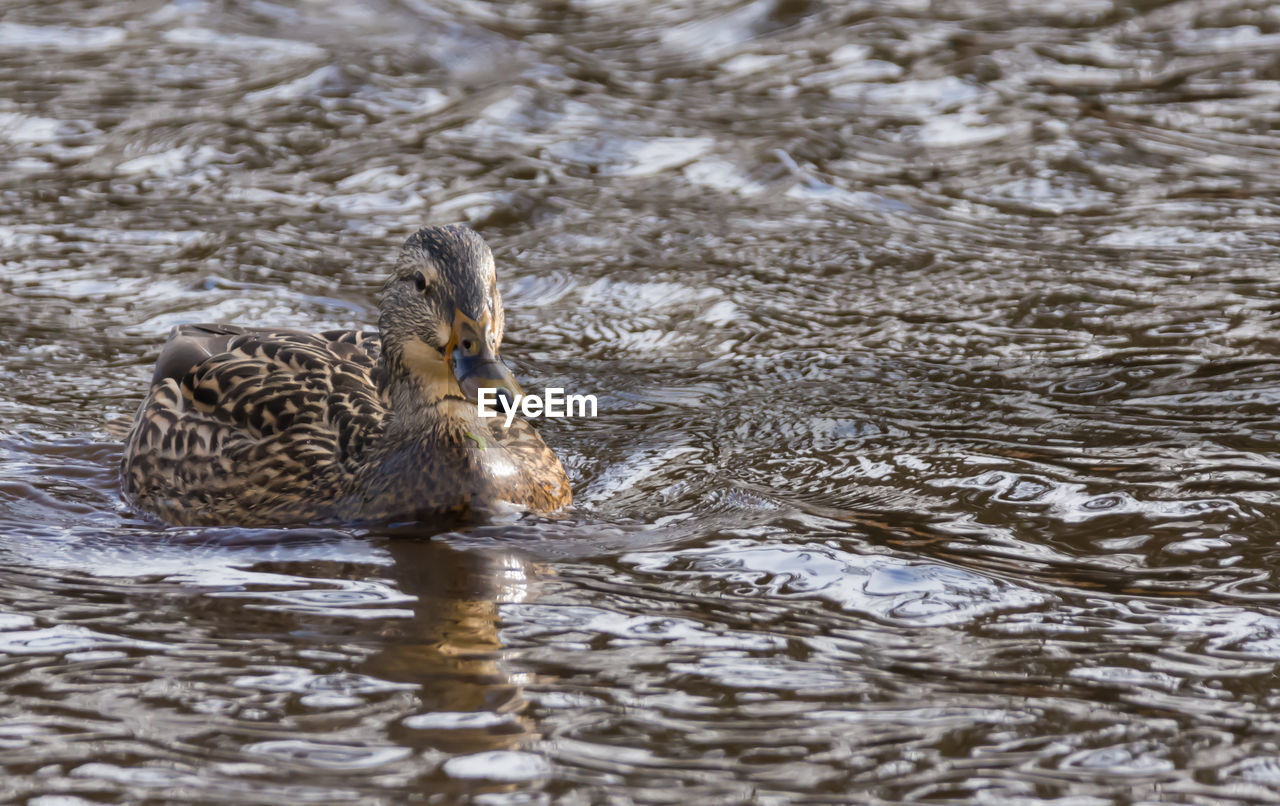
[475, 364]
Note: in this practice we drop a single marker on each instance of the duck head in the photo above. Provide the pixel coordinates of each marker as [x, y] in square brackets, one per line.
[441, 317]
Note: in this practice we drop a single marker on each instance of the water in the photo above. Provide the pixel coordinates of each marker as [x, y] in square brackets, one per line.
[935, 347]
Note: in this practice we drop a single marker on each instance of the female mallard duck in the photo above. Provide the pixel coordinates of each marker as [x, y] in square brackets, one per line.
[257, 427]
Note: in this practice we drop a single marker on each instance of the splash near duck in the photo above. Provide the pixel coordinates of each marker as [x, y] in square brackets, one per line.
[259, 427]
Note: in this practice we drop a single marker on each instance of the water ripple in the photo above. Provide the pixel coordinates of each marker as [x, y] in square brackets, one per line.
[935, 354]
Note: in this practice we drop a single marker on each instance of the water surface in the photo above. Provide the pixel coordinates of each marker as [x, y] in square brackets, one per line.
[935, 347]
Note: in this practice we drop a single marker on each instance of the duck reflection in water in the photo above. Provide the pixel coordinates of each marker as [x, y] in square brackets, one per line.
[452, 648]
[402, 658]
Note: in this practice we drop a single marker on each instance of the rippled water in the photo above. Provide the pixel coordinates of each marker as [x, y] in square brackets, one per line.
[936, 348]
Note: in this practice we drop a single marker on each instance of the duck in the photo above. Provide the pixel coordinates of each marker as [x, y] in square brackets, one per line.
[267, 427]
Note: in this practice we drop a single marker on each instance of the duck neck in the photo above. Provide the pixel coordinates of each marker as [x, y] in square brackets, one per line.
[420, 408]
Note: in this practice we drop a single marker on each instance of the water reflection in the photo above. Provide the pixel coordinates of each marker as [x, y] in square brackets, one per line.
[348, 665]
[451, 646]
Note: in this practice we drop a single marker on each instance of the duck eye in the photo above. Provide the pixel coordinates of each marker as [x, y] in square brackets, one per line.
[467, 344]
[420, 280]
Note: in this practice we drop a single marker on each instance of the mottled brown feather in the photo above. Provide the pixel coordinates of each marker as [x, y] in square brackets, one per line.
[254, 426]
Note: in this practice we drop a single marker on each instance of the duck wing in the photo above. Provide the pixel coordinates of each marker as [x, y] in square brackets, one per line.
[252, 424]
[189, 345]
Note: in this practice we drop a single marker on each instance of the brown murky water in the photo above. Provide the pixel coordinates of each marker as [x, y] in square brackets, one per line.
[937, 357]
